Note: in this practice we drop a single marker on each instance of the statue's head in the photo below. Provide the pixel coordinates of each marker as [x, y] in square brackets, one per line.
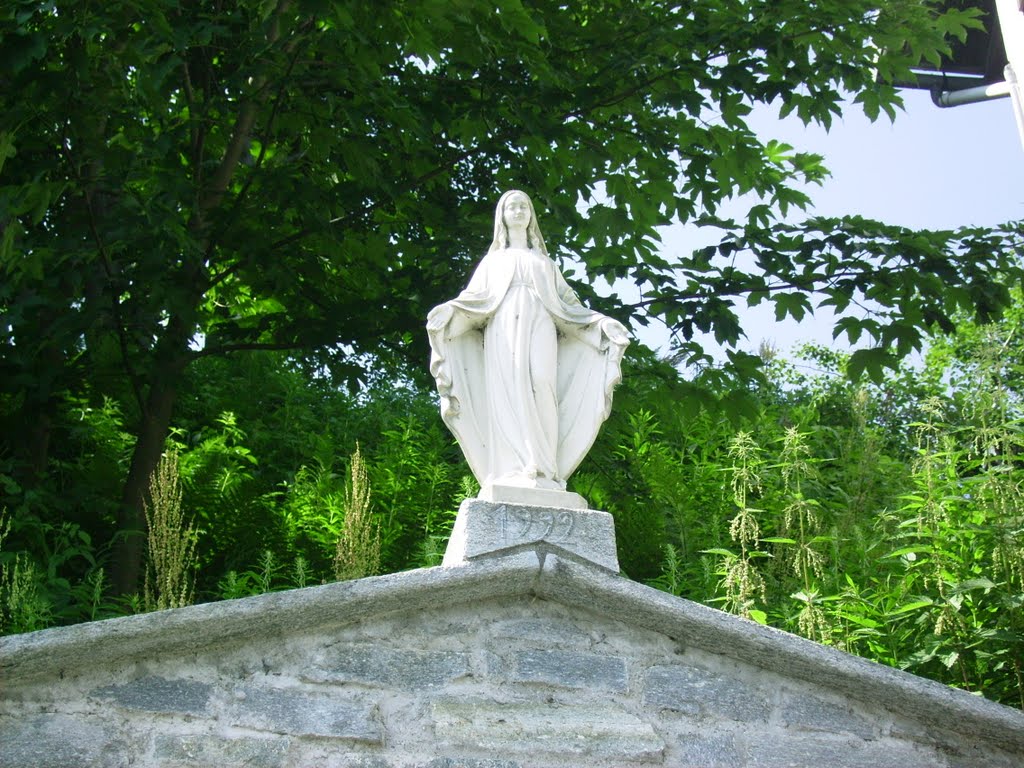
[533, 235]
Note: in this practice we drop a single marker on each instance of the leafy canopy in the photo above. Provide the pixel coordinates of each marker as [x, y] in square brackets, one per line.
[181, 180]
[314, 175]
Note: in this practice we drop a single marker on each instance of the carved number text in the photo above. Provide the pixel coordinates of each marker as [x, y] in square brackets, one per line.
[534, 524]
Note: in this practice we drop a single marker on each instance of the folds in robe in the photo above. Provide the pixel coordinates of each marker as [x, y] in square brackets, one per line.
[516, 339]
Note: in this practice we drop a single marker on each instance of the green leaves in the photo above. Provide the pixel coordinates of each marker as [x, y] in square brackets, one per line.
[180, 183]
[888, 286]
[873, 361]
[878, 99]
[795, 305]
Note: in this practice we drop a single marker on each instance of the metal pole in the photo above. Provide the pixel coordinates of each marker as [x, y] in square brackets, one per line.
[971, 95]
[1011, 22]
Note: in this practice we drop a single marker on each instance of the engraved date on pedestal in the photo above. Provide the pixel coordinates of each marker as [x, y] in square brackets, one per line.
[554, 525]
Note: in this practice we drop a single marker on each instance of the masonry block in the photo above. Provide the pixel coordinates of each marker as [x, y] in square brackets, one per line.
[393, 667]
[462, 762]
[812, 713]
[157, 694]
[695, 691]
[335, 760]
[58, 741]
[206, 751]
[569, 669]
[552, 631]
[595, 731]
[304, 714]
[707, 750]
[973, 756]
[780, 749]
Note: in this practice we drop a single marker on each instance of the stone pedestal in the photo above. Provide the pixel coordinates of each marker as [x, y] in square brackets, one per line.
[489, 527]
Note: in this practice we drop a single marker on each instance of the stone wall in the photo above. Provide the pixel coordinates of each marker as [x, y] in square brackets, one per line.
[523, 661]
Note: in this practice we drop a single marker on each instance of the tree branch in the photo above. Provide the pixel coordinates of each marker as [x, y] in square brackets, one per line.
[240, 197]
[108, 270]
[225, 349]
[240, 135]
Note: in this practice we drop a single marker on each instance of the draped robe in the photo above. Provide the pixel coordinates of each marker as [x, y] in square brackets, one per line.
[525, 372]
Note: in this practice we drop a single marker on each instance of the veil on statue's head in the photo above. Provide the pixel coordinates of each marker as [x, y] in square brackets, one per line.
[533, 236]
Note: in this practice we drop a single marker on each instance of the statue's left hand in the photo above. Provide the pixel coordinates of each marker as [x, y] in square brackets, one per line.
[615, 331]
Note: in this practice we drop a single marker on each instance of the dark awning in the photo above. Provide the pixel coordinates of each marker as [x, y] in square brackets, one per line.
[979, 60]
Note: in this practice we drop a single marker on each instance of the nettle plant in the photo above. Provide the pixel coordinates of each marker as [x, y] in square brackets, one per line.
[922, 571]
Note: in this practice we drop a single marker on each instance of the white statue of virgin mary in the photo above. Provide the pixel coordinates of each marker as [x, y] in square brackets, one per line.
[525, 372]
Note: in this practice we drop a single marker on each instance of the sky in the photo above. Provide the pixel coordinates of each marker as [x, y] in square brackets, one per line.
[931, 168]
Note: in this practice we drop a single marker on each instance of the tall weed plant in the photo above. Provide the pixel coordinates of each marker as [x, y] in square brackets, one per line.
[903, 542]
[357, 552]
[36, 590]
[23, 606]
[171, 542]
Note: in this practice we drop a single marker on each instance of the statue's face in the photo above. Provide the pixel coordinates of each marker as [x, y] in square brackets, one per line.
[516, 212]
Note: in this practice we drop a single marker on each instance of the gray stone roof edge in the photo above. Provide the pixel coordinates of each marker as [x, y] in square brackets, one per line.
[935, 705]
[542, 571]
[49, 652]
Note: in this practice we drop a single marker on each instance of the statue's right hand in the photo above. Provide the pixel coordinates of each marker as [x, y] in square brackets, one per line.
[439, 317]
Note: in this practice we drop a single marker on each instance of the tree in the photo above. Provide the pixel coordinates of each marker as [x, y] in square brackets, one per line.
[184, 180]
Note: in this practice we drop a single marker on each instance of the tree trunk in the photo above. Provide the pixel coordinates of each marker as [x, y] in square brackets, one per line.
[129, 547]
[39, 411]
[173, 350]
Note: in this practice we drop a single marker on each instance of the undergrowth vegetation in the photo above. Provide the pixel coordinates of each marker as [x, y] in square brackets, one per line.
[886, 519]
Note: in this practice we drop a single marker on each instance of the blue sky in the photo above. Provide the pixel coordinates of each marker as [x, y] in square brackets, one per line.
[931, 168]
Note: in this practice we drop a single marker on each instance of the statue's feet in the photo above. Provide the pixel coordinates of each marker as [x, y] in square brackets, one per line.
[527, 479]
[532, 496]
